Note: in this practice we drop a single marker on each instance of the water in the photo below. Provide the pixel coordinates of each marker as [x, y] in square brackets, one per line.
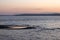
[43, 21]
[50, 22]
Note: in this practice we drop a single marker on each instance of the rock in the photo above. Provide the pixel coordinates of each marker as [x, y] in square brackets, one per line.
[29, 28]
[3, 26]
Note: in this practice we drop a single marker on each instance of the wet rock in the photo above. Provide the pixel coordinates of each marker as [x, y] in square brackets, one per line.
[17, 27]
[29, 28]
[3, 26]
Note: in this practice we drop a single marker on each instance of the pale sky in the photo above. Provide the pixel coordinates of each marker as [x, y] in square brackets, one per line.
[29, 6]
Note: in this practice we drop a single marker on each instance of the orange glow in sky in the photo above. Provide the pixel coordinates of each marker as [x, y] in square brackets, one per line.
[29, 6]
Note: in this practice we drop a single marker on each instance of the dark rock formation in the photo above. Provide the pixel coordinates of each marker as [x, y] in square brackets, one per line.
[29, 28]
[8, 26]
[3, 26]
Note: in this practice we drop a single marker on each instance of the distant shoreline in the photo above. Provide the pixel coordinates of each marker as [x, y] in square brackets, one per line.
[33, 15]
[37, 14]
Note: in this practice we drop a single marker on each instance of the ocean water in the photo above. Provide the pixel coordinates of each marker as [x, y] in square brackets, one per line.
[49, 28]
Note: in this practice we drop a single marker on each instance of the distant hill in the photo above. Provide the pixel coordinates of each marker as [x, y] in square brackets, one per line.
[41, 14]
[55, 14]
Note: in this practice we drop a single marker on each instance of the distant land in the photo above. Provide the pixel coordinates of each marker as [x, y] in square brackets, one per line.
[41, 14]
[55, 14]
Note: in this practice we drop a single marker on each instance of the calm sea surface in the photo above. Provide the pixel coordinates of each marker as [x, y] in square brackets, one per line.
[50, 22]
[44, 21]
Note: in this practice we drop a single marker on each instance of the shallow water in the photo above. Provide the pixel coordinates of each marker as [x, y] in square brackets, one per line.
[49, 28]
[30, 34]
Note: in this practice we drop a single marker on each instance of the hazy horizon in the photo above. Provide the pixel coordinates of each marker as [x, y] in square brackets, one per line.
[10, 7]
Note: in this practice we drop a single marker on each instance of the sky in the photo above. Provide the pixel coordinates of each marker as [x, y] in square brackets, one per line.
[28, 6]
